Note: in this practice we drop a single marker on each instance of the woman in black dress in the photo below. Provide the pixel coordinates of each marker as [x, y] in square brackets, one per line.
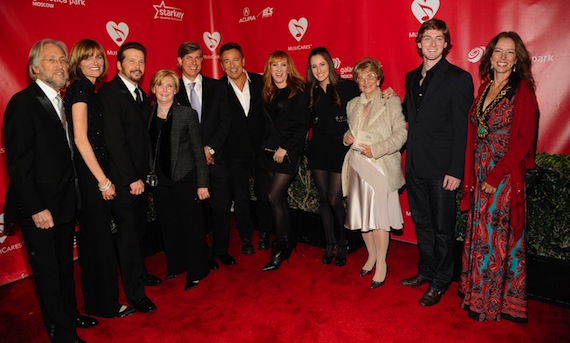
[288, 120]
[328, 95]
[97, 256]
[178, 165]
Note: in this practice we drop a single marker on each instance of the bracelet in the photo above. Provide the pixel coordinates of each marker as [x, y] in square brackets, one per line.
[107, 186]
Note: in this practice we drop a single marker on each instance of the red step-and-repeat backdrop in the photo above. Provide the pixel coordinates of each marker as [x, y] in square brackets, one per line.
[349, 29]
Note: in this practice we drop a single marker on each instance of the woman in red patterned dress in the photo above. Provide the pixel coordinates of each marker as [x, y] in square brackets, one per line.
[499, 151]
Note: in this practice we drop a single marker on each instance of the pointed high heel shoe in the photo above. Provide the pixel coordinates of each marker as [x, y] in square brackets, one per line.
[279, 252]
[364, 272]
[341, 254]
[376, 284]
[329, 254]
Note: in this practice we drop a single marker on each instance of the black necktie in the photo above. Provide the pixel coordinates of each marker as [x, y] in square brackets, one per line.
[139, 96]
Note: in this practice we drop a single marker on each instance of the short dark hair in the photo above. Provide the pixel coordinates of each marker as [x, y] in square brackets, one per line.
[229, 46]
[129, 45]
[434, 24]
[188, 48]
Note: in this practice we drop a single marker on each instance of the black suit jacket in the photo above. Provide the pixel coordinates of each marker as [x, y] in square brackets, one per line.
[246, 132]
[437, 131]
[126, 132]
[216, 119]
[39, 160]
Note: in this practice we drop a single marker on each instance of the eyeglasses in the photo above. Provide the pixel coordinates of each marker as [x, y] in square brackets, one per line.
[366, 77]
[54, 60]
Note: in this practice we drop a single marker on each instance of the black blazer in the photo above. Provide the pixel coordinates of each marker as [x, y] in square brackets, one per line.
[126, 132]
[216, 119]
[186, 148]
[437, 131]
[246, 132]
[39, 160]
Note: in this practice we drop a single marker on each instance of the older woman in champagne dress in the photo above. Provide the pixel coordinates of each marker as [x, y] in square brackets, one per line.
[372, 171]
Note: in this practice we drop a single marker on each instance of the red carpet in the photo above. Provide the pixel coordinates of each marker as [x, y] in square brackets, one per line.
[303, 301]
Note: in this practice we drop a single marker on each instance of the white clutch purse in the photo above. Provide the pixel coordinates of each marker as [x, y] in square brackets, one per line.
[363, 137]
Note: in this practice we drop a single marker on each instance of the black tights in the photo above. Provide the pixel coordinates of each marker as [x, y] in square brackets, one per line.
[329, 185]
[277, 197]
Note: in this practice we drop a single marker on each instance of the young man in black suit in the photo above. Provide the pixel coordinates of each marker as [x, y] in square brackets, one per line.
[438, 97]
[126, 108]
[41, 196]
[243, 147]
[207, 97]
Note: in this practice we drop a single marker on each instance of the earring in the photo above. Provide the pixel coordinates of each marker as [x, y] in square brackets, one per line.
[491, 67]
[514, 68]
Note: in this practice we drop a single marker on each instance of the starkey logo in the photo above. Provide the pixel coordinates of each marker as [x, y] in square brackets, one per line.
[168, 12]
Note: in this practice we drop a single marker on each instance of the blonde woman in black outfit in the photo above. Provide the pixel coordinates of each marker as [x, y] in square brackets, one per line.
[179, 165]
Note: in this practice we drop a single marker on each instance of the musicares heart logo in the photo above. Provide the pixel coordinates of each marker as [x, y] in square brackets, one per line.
[425, 9]
[298, 28]
[118, 32]
[212, 40]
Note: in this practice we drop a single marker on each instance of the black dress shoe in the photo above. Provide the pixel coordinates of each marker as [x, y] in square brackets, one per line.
[83, 322]
[247, 247]
[151, 280]
[213, 264]
[414, 281]
[263, 243]
[227, 259]
[144, 305]
[126, 312]
[431, 297]
[376, 284]
[191, 284]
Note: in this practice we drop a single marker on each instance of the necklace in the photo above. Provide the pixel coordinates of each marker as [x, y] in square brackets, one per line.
[164, 111]
[483, 128]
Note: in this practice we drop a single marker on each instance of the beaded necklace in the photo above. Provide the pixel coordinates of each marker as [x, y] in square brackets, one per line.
[483, 128]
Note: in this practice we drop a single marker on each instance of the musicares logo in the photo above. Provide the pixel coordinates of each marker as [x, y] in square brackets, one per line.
[424, 10]
[118, 32]
[212, 40]
[167, 12]
[3, 237]
[298, 27]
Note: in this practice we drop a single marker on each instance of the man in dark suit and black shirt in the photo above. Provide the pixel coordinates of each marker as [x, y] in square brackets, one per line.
[207, 97]
[126, 108]
[243, 147]
[438, 97]
[41, 196]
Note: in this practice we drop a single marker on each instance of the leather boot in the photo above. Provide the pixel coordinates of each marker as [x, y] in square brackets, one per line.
[279, 252]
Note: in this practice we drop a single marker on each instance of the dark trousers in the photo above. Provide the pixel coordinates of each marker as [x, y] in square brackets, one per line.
[96, 249]
[219, 207]
[51, 258]
[241, 171]
[433, 211]
[129, 212]
[182, 227]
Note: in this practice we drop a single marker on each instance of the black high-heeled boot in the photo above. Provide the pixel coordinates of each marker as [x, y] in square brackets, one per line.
[329, 254]
[341, 254]
[279, 252]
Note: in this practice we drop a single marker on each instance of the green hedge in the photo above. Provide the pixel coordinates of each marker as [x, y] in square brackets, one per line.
[548, 201]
